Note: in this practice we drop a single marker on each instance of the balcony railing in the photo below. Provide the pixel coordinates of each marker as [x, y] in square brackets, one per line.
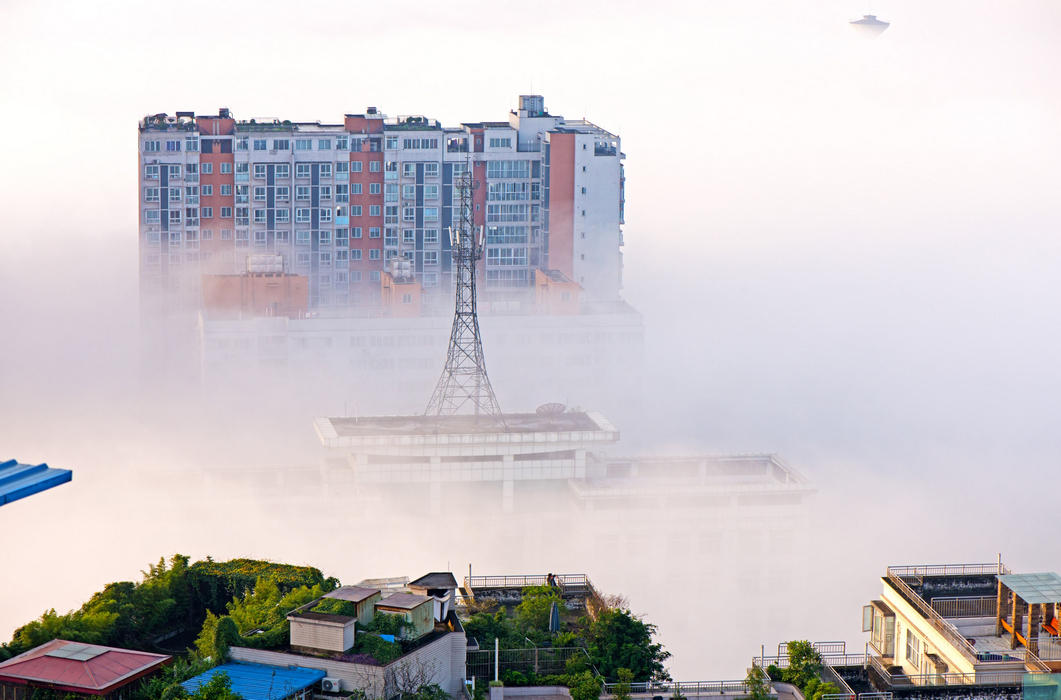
[965, 606]
[948, 570]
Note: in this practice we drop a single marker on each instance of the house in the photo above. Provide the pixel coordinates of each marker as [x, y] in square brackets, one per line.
[418, 611]
[83, 670]
[363, 599]
[442, 586]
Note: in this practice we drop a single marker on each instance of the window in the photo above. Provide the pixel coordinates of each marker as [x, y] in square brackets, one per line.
[261, 237]
[408, 213]
[283, 236]
[151, 172]
[342, 167]
[174, 216]
[508, 191]
[325, 191]
[459, 169]
[282, 170]
[355, 210]
[342, 191]
[506, 256]
[260, 216]
[301, 237]
[283, 216]
[303, 144]
[355, 166]
[342, 143]
[392, 193]
[242, 169]
[374, 166]
[191, 143]
[392, 142]
[409, 236]
[430, 191]
[302, 258]
[282, 192]
[207, 169]
[281, 144]
[173, 146]
[430, 213]
[260, 145]
[259, 171]
[355, 254]
[325, 169]
[373, 254]
[241, 143]
[355, 276]
[226, 190]
[392, 237]
[430, 169]
[151, 194]
[408, 191]
[174, 171]
[374, 187]
[355, 232]
[340, 277]
[500, 142]
[208, 190]
[373, 210]
[325, 214]
[419, 143]
[259, 194]
[151, 215]
[226, 234]
[302, 170]
[373, 232]
[430, 236]
[302, 215]
[341, 237]
[226, 213]
[325, 258]
[206, 212]
[151, 146]
[408, 169]
[506, 212]
[431, 257]
[507, 169]
[174, 194]
[374, 275]
[153, 237]
[242, 216]
[913, 649]
[226, 168]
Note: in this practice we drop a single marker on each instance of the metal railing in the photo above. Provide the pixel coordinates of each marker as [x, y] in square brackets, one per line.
[831, 676]
[683, 688]
[948, 569]
[990, 678]
[781, 660]
[931, 616]
[965, 606]
[537, 660]
[565, 580]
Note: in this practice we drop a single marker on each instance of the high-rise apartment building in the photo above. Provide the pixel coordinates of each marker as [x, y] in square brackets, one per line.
[339, 202]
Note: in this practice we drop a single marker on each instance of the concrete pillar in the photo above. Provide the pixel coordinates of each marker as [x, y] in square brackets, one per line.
[1033, 627]
[508, 471]
[1002, 609]
[1018, 619]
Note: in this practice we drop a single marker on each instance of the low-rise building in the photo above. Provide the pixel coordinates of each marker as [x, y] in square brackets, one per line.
[261, 682]
[74, 668]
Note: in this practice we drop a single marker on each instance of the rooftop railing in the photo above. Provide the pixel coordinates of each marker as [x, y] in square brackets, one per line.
[965, 606]
[948, 570]
[683, 688]
[565, 581]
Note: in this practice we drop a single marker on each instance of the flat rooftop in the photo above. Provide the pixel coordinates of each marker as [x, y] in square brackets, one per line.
[462, 424]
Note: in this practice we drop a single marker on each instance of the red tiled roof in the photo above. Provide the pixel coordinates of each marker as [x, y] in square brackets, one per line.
[104, 670]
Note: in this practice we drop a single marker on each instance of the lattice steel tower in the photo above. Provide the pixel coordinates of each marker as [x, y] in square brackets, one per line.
[464, 383]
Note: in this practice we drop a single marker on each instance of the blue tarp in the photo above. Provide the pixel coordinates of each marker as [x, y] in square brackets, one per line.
[21, 480]
[258, 681]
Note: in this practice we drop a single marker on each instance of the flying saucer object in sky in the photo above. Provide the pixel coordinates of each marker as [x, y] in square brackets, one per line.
[869, 26]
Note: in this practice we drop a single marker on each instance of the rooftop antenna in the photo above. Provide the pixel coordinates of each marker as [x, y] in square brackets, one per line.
[464, 382]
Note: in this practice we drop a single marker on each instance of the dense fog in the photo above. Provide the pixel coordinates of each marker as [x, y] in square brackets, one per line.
[845, 253]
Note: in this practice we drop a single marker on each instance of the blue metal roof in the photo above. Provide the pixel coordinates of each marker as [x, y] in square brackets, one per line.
[21, 480]
[258, 681]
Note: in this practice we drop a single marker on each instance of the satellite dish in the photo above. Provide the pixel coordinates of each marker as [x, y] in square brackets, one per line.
[550, 409]
[869, 26]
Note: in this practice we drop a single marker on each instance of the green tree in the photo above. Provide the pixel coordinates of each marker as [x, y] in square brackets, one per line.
[622, 688]
[804, 663]
[618, 639]
[758, 684]
[219, 687]
[584, 686]
[532, 614]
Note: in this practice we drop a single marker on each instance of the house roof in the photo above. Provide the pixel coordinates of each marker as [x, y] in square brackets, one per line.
[403, 601]
[21, 480]
[83, 668]
[1034, 588]
[436, 579]
[352, 594]
[322, 617]
[258, 681]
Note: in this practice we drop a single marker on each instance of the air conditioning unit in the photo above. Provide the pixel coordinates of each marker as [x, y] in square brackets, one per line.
[330, 685]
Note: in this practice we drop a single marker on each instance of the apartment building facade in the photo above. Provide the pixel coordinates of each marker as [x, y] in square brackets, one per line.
[339, 202]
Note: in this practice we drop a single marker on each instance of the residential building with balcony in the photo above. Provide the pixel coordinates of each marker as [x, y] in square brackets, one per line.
[338, 201]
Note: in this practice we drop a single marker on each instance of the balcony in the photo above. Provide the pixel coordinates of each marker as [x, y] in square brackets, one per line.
[242, 177]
